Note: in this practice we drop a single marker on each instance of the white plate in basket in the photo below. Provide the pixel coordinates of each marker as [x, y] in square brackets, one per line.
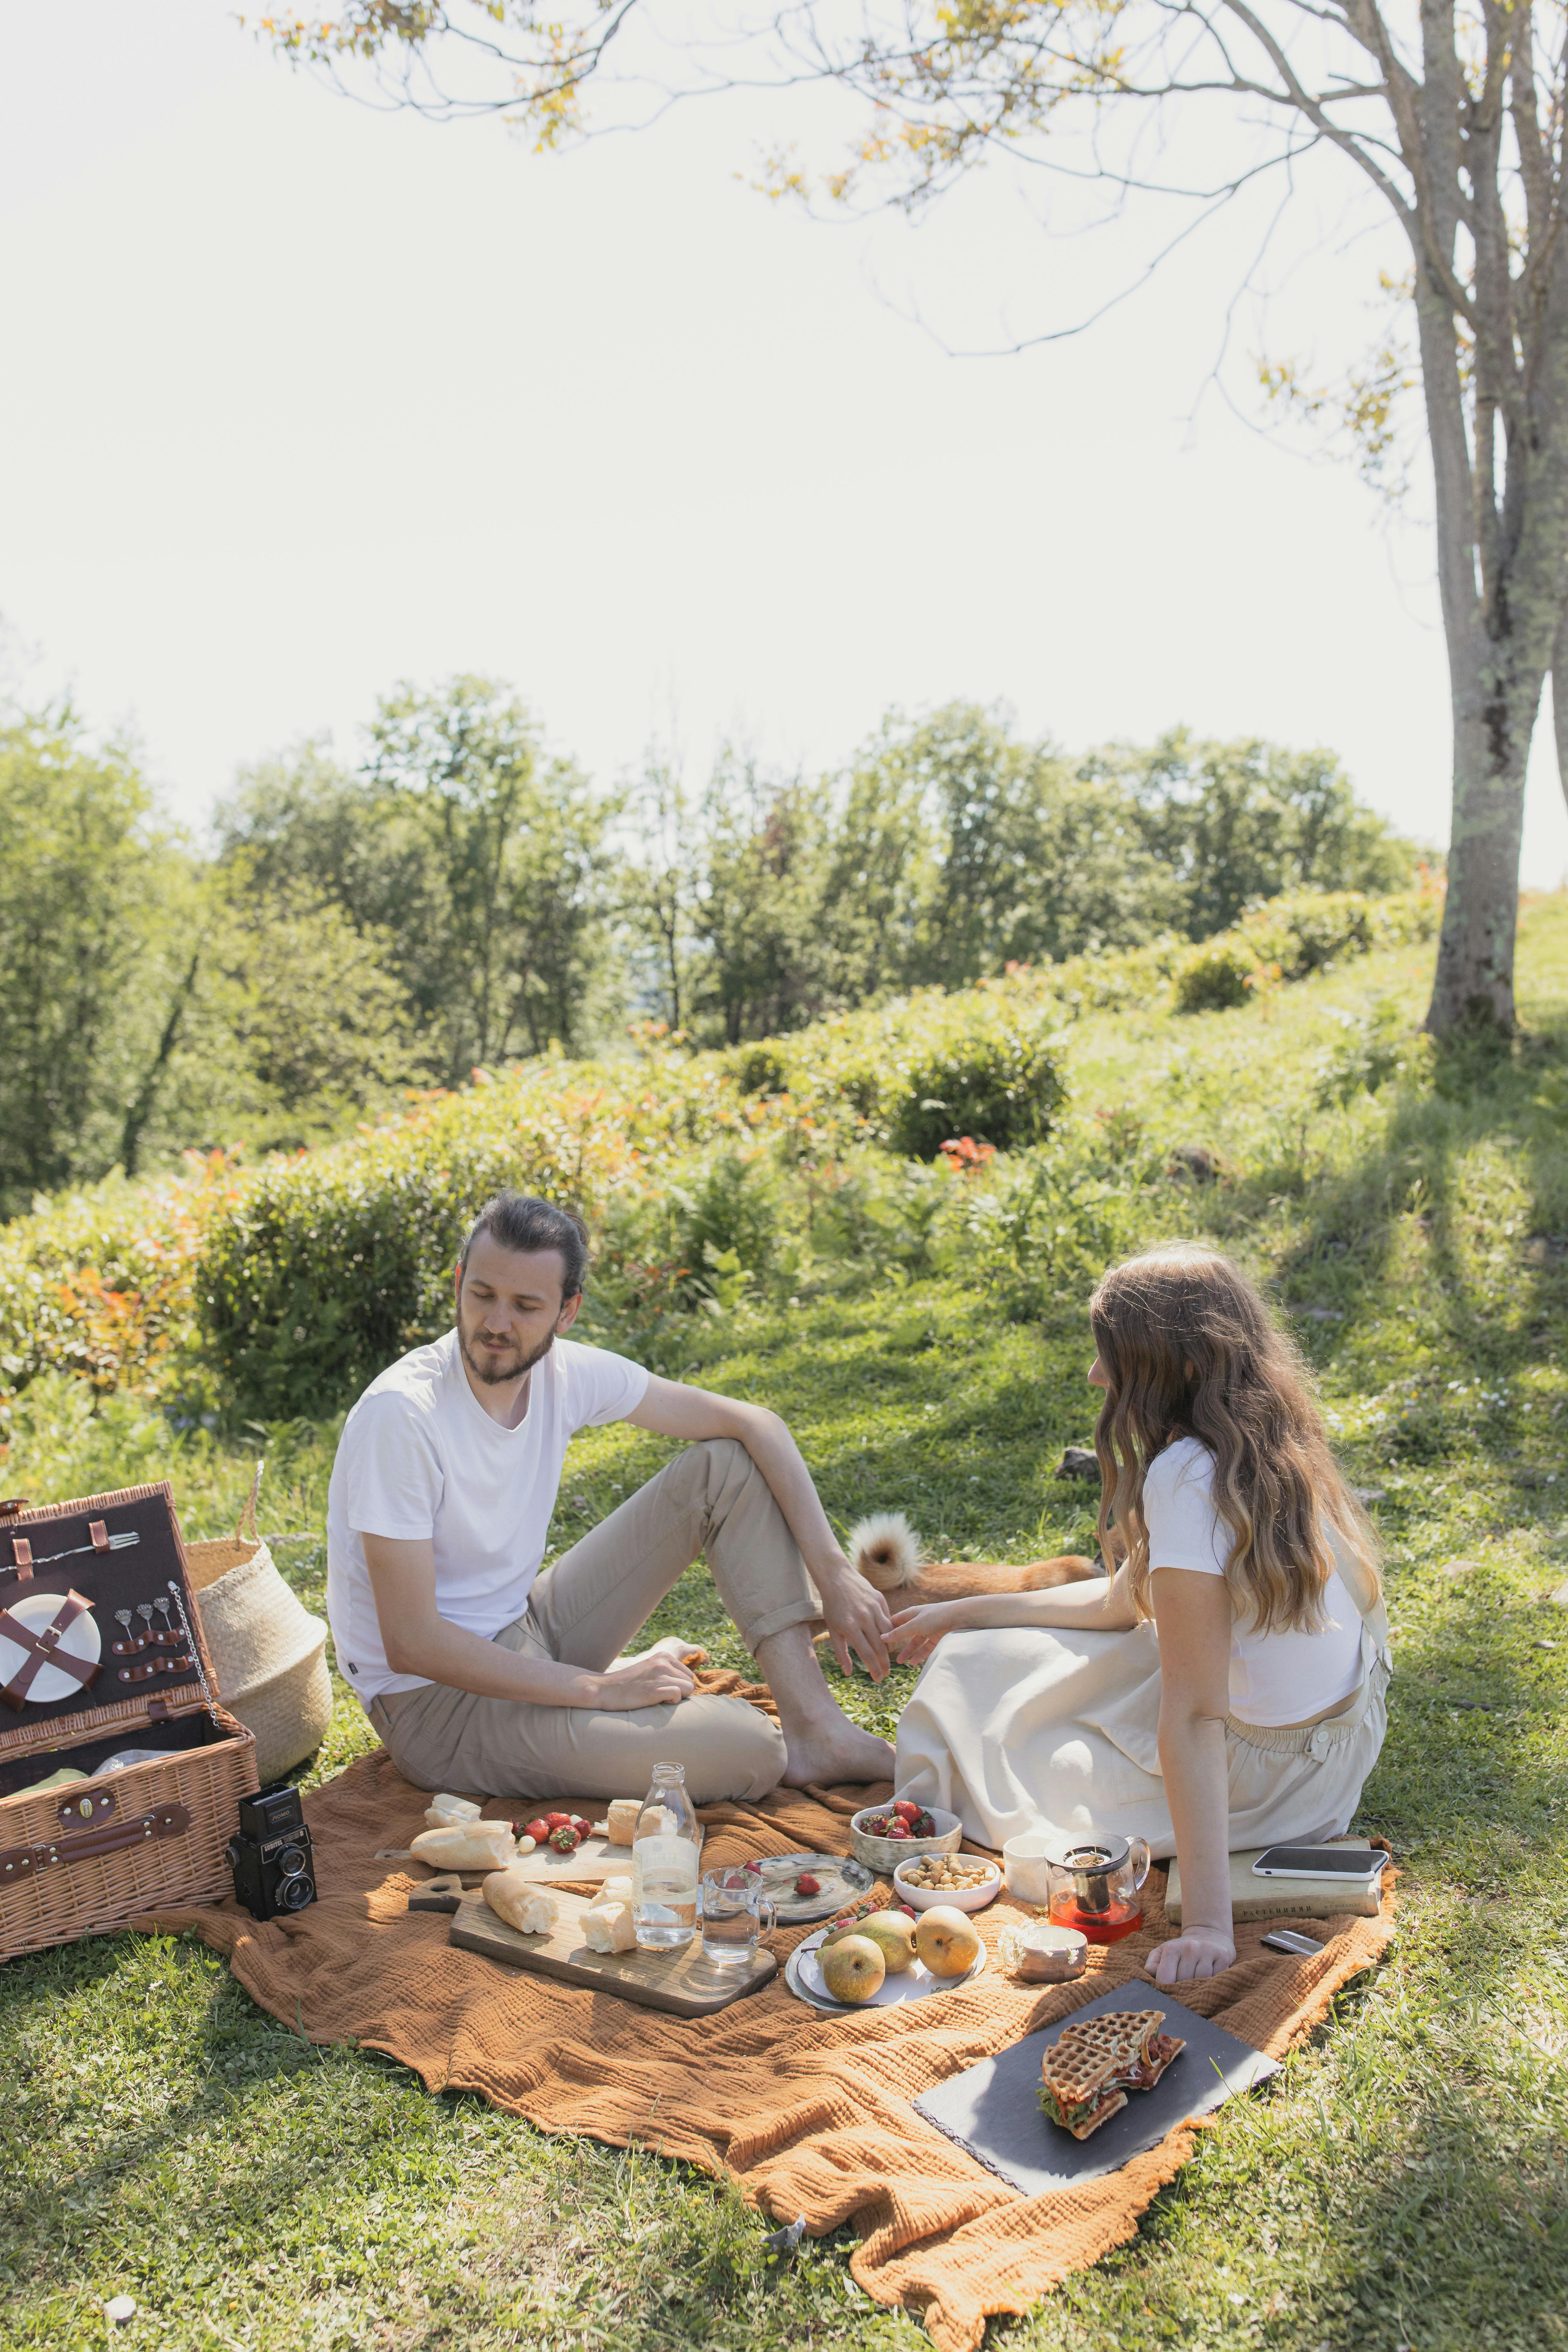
[804, 1977]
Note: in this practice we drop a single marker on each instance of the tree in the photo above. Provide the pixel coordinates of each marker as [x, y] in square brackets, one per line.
[661, 885]
[101, 938]
[1229, 822]
[1030, 860]
[1452, 119]
[477, 861]
[759, 912]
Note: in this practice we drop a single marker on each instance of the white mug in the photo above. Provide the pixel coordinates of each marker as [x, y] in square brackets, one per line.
[1025, 1867]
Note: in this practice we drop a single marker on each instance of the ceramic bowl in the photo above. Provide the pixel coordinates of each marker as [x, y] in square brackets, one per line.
[884, 1854]
[962, 1898]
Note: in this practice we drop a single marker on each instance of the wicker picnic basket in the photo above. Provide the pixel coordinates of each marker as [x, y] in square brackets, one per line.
[101, 1653]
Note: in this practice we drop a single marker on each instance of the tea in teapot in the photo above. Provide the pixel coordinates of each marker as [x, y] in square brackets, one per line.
[1095, 1888]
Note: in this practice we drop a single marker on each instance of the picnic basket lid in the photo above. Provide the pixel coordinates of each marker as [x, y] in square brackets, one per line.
[98, 1561]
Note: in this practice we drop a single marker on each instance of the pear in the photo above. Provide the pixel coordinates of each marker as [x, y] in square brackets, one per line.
[893, 1933]
[947, 1940]
[853, 1969]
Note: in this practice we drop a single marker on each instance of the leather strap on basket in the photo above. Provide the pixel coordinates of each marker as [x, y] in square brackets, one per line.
[43, 1650]
[19, 1861]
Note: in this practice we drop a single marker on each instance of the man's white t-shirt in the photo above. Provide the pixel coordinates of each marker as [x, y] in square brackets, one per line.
[1282, 1677]
[420, 1458]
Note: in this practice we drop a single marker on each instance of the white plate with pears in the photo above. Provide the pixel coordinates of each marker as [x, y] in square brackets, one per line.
[806, 1977]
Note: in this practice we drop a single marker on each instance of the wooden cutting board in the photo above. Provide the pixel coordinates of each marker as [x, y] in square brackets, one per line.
[594, 1859]
[683, 1982]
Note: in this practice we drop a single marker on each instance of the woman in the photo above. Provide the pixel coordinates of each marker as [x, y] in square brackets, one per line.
[1224, 1689]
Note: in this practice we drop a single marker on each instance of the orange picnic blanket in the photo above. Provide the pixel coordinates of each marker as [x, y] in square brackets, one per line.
[807, 2113]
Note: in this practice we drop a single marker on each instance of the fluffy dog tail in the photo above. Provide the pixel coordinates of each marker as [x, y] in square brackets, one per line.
[889, 1555]
[886, 1550]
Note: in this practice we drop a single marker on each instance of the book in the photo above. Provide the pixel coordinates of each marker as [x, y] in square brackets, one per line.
[1283, 1898]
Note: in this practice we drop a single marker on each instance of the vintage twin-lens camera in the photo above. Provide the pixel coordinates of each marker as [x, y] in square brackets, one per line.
[270, 1859]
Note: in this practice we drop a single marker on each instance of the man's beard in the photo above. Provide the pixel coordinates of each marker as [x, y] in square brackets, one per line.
[497, 1370]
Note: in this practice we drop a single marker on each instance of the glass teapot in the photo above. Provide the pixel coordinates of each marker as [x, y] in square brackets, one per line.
[1095, 1884]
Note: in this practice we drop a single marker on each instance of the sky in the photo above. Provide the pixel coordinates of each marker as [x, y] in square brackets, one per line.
[300, 400]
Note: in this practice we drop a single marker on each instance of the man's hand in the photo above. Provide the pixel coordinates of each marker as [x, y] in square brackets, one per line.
[656, 1680]
[858, 1619]
[917, 1632]
[1186, 1960]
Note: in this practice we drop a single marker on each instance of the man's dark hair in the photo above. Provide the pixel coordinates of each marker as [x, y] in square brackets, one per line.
[519, 1221]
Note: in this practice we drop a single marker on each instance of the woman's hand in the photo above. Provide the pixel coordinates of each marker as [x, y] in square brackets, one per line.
[917, 1632]
[1187, 1959]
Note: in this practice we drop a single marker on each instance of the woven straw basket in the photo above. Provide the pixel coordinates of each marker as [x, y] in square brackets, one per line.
[269, 1653]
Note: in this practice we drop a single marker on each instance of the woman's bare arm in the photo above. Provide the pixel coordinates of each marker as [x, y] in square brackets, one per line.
[1100, 1604]
[1192, 1614]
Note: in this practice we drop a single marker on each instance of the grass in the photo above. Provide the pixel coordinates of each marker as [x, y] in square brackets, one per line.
[1403, 2184]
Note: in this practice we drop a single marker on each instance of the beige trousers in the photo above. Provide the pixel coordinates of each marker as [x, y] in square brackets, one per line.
[583, 1611]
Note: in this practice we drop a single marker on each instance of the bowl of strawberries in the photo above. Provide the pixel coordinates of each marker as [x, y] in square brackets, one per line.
[881, 1837]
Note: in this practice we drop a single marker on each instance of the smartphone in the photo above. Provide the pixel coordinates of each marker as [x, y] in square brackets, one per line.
[1360, 1862]
[1280, 1939]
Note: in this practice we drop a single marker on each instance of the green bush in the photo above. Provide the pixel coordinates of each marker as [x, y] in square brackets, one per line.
[1301, 934]
[985, 1062]
[1000, 1082]
[1056, 1223]
[326, 1268]
[1215, 975]
[733, 1212]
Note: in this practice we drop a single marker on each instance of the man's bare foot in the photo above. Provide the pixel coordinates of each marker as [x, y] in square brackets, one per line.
[829, 1752]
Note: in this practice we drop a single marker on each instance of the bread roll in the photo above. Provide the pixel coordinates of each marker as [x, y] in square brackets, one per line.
[445, 1813]
[465, 1845]
[622, 1819]
[607, 1927]
[614, 1890]
[521, 1902]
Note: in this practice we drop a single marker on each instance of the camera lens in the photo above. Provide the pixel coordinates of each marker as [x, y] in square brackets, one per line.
[292, 1860]
[295, 1893]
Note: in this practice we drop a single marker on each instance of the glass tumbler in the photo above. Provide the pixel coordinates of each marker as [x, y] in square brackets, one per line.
[733, 1909]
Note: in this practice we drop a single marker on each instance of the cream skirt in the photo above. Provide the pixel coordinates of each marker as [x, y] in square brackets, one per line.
[1019, 1730]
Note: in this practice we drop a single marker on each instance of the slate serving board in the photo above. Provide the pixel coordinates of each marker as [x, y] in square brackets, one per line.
[992, 2109]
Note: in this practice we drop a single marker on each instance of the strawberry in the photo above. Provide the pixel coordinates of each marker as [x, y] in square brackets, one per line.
[806, 1884]
[908, 1912]
[922, 1826]
[584, 1829]
[537, 1830]
[906, 1810]
[877, 1825]
[899, 1830]
[565, 1839]
[557, 1820]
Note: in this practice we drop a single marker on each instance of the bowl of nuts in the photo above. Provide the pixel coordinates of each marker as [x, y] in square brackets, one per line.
[965, 1881]
[881, 1835]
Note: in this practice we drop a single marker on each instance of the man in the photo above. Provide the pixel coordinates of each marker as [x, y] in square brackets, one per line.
[478, 1678]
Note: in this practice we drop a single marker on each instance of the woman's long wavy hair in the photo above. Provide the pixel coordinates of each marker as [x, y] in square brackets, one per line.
[1190, 1350]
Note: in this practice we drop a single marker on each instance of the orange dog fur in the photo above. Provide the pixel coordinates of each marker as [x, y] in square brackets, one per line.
[889, 1555]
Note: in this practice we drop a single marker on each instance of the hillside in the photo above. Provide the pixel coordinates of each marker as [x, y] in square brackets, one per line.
[920, 1321]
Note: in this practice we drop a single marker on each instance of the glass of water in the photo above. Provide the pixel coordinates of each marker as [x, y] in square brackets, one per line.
[735, 1912]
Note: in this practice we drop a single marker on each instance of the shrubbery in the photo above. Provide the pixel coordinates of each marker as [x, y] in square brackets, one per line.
[278, 1289]
[1287, 938]
[327, 1267]
[986, 1062]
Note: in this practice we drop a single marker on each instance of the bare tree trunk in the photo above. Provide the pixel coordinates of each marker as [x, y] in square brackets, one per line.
[1494, 718]
[1559, 702]
[141, 1110]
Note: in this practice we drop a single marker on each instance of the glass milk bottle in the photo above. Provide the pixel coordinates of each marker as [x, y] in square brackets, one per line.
[665, 1850]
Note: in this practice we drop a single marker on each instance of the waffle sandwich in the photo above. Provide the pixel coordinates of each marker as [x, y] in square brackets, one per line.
[1091, 2066]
